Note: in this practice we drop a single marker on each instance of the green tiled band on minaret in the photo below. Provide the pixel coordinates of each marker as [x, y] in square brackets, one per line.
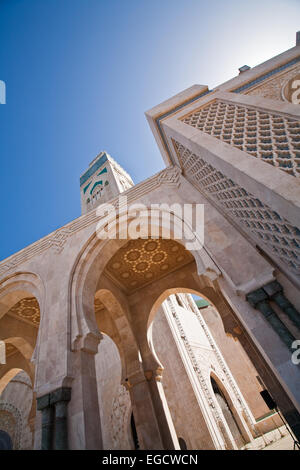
[93, 168]
[95, 185]
[102, 171]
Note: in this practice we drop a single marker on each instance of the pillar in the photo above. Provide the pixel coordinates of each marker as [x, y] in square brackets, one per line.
[274, 291]
[147, 427]
[54, 418]
[165, 422]
[60, 398]
[83, 410]
[259, 299]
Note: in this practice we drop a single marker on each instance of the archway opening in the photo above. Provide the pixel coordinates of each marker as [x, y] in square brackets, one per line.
[19, 326]
[142, 274]
[198, 332]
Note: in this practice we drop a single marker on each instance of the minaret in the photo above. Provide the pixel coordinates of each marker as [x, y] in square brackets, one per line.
[103, 180]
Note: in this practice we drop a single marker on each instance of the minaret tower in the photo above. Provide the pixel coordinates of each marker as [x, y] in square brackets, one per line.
[103, 180]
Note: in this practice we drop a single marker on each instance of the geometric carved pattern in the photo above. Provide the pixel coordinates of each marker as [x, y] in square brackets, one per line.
[256, 218]
[271, 88]
[202, 382]
[59, 239]
[27, 309]
[142, 261]
[273, 138]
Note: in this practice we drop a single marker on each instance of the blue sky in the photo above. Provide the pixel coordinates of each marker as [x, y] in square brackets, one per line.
[81, 73]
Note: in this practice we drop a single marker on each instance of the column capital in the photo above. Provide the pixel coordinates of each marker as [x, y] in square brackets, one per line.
[61, 394]
[256, 297]
[88, 342]
[260, 300]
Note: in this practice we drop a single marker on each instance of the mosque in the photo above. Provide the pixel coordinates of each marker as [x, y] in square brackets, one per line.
[146, 340]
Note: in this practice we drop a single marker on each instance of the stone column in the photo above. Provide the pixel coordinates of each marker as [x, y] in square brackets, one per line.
[274, 291]
[60, 398]
[165, 422]
[147, 427]
[259, 299]
[43, 405]
[54, 419]
[270, 380]
[83, 410]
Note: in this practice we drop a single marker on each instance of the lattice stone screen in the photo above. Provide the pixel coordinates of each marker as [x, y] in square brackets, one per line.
[271, 137]
[255, 217]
